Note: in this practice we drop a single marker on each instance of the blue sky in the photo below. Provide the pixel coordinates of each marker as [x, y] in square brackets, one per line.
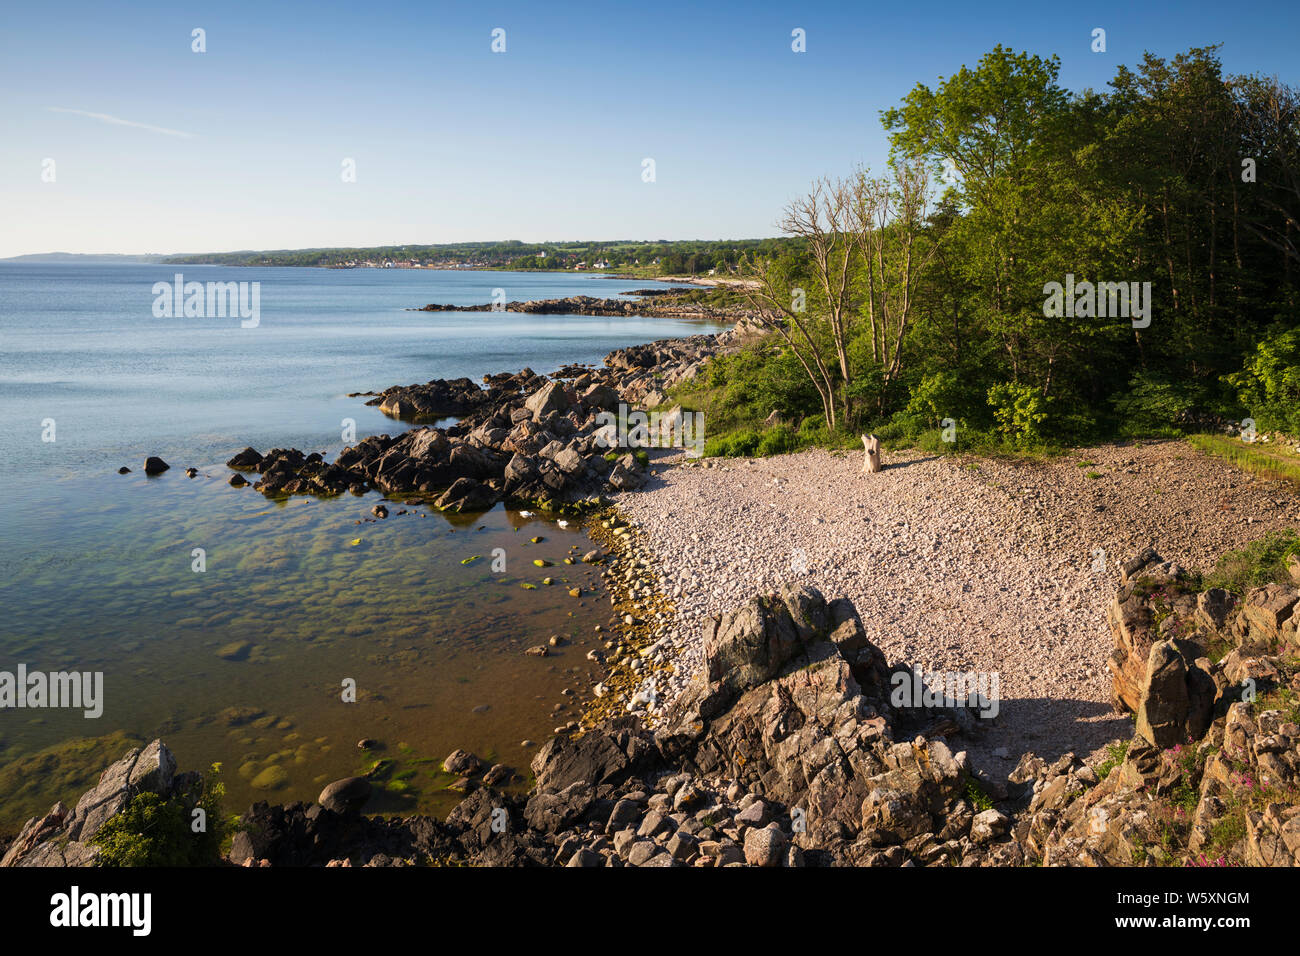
[542, 142]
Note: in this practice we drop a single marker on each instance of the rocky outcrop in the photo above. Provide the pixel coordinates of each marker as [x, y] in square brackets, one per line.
[1150, 590]
[440, 398]
[1165, 632]
[786, 756]
[1212, 774]
[63, 837]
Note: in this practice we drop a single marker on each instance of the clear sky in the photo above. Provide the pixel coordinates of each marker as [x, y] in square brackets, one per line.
[241, 147]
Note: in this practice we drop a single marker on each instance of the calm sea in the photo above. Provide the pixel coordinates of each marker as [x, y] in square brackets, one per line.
[245, 661]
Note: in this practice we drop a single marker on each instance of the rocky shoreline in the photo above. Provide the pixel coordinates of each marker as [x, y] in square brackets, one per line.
[782, 742]
[525, 438]
[648, 305]
[792, 748]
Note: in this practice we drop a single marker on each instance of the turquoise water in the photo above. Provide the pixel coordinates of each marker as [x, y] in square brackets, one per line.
[97, 569]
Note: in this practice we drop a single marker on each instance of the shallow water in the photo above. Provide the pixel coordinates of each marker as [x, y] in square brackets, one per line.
[97, 569]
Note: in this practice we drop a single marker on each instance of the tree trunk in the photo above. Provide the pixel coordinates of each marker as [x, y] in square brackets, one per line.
[871, 460]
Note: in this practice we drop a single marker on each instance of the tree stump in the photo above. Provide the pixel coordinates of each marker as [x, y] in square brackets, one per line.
[871, 460]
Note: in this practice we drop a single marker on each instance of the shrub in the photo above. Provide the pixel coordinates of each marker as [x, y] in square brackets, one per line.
[1153, 405]
[938, 396]
[778, 440]
[156, 831]
[761, 379]
[813, 431]
[739, 444]
[1021, 413]
[978, 798]
[1115, 754]
[149, 831]
[1269, 383]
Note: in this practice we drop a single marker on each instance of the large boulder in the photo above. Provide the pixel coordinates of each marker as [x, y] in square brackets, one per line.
[466, 495]
[606, 756]
[345, 796]
[601, 396]
[1149, 585]
[246, 459]
[1267, 610]
[1177, 695]
[550, 398]
[627, 474]
[427, 443]
[752, 644]
[778, 707]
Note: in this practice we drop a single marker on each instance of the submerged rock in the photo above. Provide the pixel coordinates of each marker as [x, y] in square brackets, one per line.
[345, 796]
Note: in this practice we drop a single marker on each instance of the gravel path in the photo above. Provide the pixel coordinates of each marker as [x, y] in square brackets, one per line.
[957, 564]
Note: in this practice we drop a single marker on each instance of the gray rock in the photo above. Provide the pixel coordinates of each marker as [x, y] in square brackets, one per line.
[1213, 607]
[551, 397]
[765, 847]
[626, 813]
[641, 852]
[149, 770]
[681, 846]
[624, 841]
[757, 814]
[988, 825]
[654, 824]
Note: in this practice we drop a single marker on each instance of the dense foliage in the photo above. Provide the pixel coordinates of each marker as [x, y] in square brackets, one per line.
[162, 831]
[1018, 298]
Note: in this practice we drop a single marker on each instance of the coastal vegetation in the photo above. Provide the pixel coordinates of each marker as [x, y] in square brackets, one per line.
[159, 830]
[925, 304]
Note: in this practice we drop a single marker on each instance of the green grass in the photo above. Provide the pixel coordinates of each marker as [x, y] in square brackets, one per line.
[1256, 458]
[985, 444]
[978, 798]
[1115, 754]
[1260, 562]
[735, 430]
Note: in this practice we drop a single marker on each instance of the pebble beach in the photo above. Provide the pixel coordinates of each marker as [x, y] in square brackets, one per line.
[954, 563]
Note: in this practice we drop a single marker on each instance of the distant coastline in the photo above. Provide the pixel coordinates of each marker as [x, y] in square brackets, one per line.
[48, 258]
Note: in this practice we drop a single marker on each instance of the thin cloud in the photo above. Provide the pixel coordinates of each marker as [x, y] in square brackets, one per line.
[117, 121]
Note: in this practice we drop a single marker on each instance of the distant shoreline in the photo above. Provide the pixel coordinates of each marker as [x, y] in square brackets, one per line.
[706, 282]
